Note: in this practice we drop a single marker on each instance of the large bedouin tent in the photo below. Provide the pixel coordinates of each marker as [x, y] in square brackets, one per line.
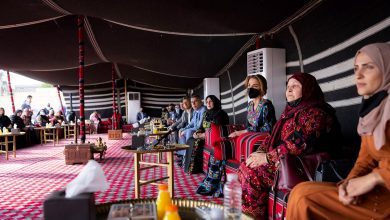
[165, 48]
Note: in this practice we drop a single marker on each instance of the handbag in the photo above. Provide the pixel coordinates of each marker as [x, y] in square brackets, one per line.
[333, 170]
[296, 169]
[291, 170]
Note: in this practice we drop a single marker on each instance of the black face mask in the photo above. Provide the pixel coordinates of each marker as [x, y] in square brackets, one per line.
[253, 93]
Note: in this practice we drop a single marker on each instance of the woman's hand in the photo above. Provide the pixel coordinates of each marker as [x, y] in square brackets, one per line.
[197, 135]
[364, 184]
[181, 133]
[237, 133]
[343, 195]
[256, 159]
[350, 191]
[233, 134]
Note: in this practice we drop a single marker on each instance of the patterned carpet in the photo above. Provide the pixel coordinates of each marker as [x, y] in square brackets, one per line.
[38, 170]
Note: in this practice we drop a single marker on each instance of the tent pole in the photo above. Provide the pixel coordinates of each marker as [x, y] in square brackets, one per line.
[10, 92]
[80, 27]
[114, 116]
[126, 98]
[59, 97]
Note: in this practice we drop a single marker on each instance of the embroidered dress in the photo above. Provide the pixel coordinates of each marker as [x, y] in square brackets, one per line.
[296, 135]
[307, 126]
[261, 118]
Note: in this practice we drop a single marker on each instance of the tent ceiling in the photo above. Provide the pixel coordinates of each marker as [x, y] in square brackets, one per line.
[165, 43]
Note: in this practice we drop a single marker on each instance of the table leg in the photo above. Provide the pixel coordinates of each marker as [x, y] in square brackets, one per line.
[14, 144]
[64, 132]
[41, 133]
[137, 175]
[171, 174]
[57, 134]
[6, 147]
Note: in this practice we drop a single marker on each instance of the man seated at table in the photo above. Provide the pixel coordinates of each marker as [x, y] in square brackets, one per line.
[141, 115]
[196, 121]
[26, 116]
[185, 118]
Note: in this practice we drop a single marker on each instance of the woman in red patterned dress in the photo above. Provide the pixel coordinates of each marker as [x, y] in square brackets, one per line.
[306, 126]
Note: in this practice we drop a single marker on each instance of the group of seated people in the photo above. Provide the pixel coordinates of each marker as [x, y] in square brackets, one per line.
[51, 118]
[308, 125]
[23, 118]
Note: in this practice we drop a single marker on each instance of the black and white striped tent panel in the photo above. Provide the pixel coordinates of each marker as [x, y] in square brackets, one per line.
[99, 97]
[328, 50]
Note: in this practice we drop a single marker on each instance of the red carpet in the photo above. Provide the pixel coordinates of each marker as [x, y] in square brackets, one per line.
[36, 171]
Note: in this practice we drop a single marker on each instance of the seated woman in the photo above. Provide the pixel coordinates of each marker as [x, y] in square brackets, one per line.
[365, 193]
[214, 114]
[59, 117]
[260, 112]
[41, 119]
[17, 120]
[306, 126]
[5, 122]
[52, 117]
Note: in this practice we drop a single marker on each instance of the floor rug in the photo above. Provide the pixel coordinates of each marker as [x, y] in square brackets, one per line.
[38, 170]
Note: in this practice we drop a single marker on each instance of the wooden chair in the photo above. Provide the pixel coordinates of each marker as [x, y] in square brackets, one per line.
[72, 130]
[49, 135]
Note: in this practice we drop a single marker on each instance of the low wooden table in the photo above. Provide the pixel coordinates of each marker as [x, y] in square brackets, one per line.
[115, 134]
[150, 165]
[6, 141]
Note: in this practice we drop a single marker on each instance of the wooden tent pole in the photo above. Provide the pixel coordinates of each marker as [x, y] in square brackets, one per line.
[10, 92]
[126, 98]
[80, 27]
[114, 116]
[59, 97]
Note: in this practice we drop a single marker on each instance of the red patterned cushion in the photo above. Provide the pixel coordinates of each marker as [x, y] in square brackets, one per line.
[248, 143]
[217, 136]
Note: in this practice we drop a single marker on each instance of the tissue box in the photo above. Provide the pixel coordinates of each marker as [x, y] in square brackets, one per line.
[81, 207]
[77, 153]
[114, 134]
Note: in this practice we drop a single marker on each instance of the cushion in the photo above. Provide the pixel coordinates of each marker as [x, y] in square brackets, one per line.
[248, 142]
[217, 136]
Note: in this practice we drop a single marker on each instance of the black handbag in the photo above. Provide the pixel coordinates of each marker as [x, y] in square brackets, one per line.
[333, 170]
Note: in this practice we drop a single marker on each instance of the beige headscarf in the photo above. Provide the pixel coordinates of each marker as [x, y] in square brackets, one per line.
[374, 123]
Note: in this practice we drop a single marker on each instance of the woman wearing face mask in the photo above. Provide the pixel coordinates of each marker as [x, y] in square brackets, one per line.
[261, 112]
[308, 125]
[365, 193]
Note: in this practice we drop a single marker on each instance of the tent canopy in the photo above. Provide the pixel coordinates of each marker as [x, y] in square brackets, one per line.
[161, 43]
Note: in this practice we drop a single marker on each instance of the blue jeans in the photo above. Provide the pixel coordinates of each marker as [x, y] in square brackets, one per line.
[183, 140]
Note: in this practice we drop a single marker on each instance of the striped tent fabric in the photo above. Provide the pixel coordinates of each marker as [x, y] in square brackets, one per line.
[154, 98]
[326, 55]
[99, 97]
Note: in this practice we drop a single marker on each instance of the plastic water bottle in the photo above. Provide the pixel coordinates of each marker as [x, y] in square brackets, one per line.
[232, 198]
